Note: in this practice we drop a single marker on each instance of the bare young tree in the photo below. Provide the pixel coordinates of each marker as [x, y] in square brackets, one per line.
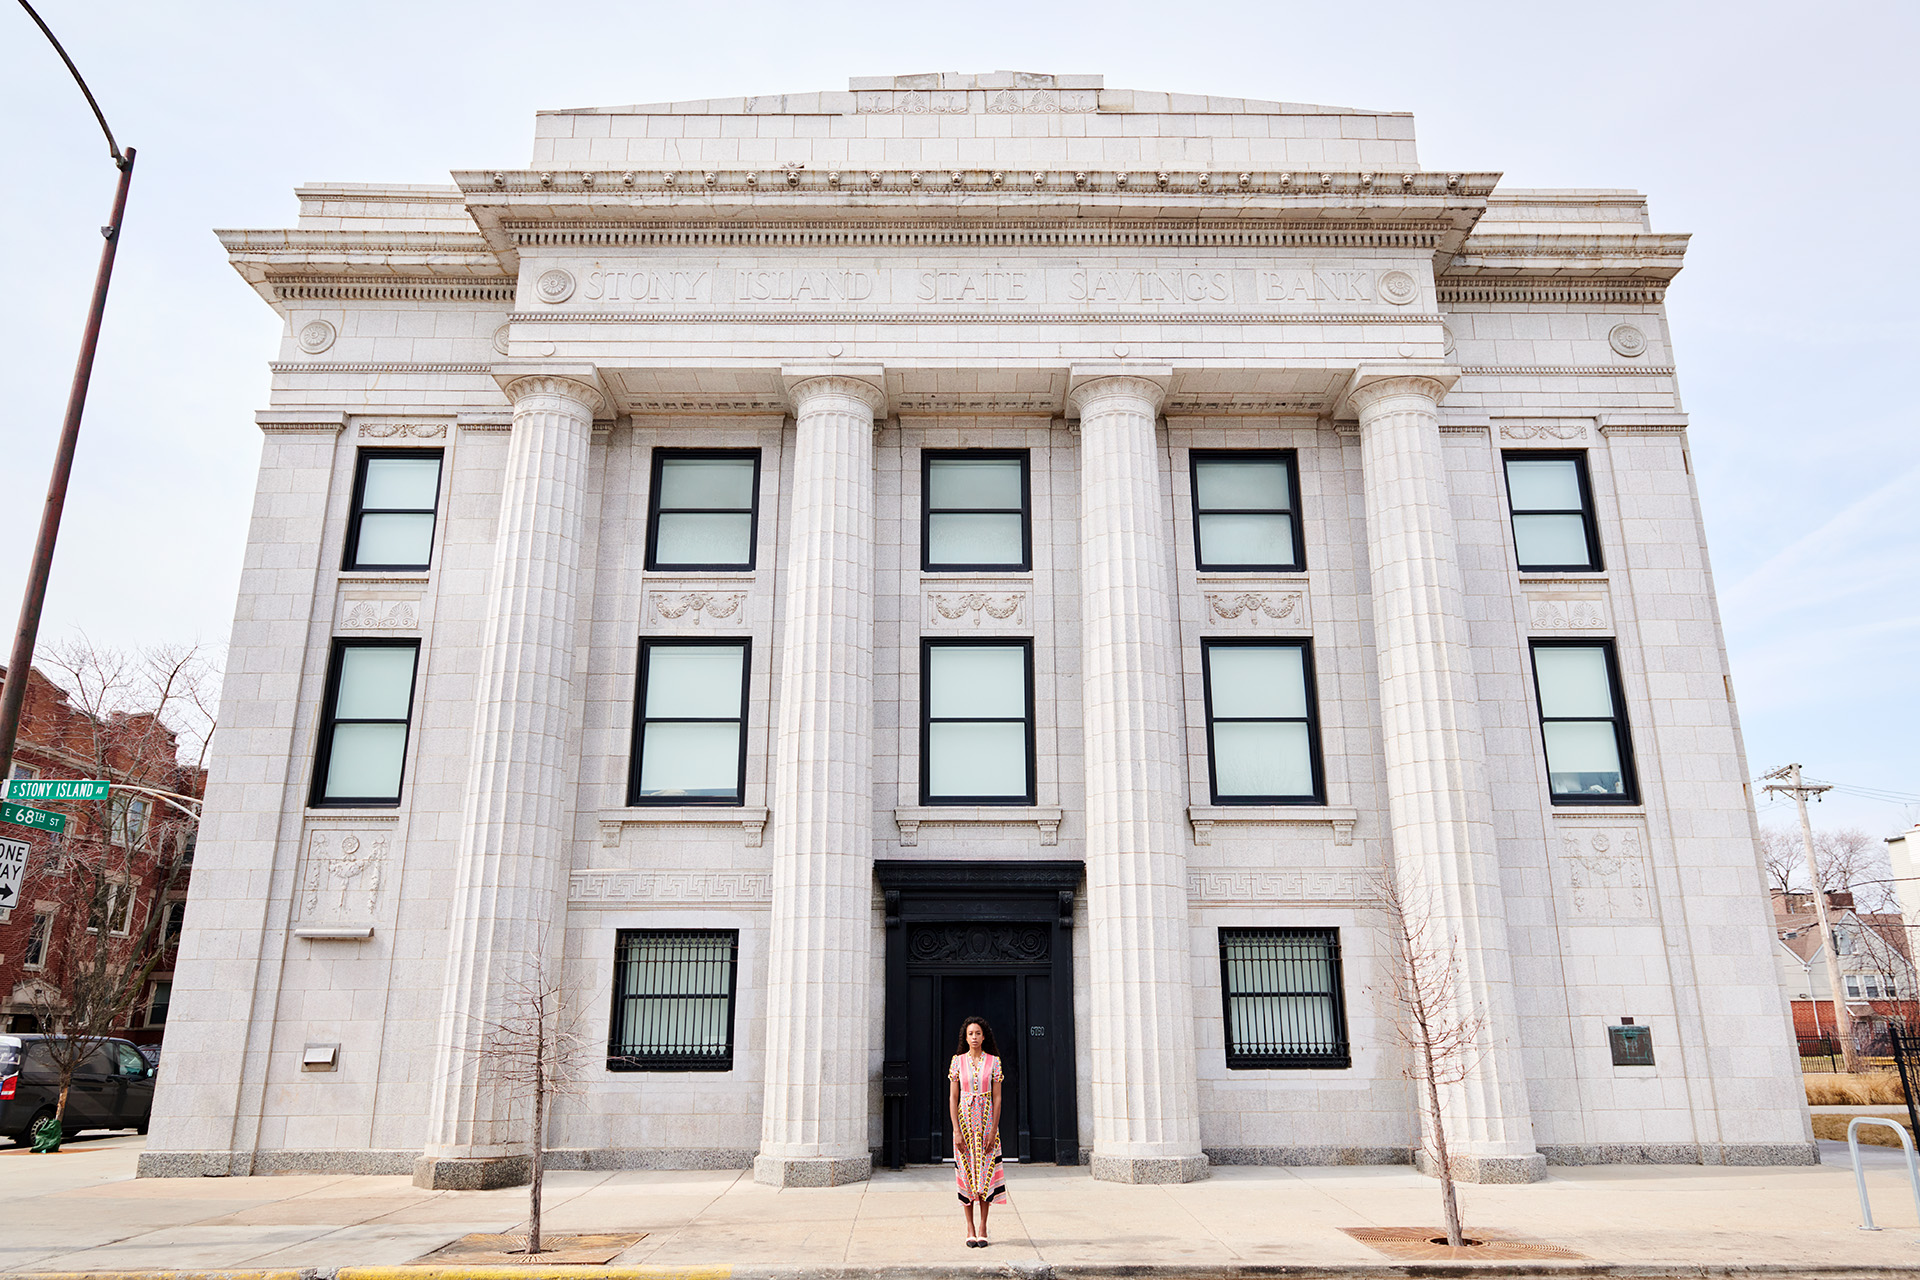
[535, 1053]
[134, 716]
[1851, 861]
[1436, 1022]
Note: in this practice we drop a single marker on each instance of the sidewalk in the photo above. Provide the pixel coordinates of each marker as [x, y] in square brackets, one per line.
[83, 1211]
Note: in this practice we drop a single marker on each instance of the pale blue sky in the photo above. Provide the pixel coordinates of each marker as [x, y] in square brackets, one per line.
[1777, 134]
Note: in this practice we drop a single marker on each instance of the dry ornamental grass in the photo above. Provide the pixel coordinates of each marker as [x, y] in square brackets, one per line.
[1869, 1089]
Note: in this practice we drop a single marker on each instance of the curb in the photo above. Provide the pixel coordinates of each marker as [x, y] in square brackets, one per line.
[1042, 1271]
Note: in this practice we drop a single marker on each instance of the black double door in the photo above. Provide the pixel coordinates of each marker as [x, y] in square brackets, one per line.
[993, 940]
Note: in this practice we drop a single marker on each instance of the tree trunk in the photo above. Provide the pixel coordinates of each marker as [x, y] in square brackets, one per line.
[1449, 1201]
[539, 1153]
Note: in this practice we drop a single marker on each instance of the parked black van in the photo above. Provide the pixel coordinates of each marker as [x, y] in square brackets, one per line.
[112, 1087]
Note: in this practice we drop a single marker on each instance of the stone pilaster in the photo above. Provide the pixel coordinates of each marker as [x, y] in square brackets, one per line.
[518, 806]
[814, 1123]
[1444, 856]
[1146, 1112]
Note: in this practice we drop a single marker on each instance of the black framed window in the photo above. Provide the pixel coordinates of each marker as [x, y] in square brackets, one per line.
[364, 722]
[157, 1007]
[976, 510]
[395, 495]
[1584, 725]
[37, 936]
[689, 723]
[1263, 731]
[1283, 1001]
[1552, 503]
[1246, 510]
[976, 722]
[705, 509]
[673, 995]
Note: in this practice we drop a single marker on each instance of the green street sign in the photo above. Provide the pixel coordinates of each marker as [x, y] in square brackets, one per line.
[39, 819]
[35, 789]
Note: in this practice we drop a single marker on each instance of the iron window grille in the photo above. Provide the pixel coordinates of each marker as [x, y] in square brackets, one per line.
[396, 493]
[976, 510]
[365, 719]
[1583, 722]
[1246, 511]
[1550, 499]
[703, 509]
[673, 1000]
[690, 723]
[976, 728]
[1263, 725]
[1283, 1001]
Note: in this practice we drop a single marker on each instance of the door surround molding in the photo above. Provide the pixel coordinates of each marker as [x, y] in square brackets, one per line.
[952, 892]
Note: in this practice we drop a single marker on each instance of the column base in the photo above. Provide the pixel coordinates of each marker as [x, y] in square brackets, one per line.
[472, 1173]
[811, 1171]
[1488, 1170]
[1158, 1170]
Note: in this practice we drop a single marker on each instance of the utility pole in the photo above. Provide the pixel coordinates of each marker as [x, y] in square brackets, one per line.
[1842, 1021]
[13, 694]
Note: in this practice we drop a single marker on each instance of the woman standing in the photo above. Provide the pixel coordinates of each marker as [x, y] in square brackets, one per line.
[974, 1106]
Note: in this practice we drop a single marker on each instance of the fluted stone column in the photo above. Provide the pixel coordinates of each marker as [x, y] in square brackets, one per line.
[507, 894]
[1443, 847]
[814, 1123]
[1146, 1112]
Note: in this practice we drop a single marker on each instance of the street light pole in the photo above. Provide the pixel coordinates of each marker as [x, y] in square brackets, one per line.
[26, 636]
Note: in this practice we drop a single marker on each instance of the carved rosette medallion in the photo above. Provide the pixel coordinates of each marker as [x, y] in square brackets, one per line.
[341, 882]
[554, 286]
[1398, 287]
[1571, 613]
[970, 609]
[316, 336]
[1604, 874]
[697, 608]
[1627, 340]
[1257, 610]
[500, 337]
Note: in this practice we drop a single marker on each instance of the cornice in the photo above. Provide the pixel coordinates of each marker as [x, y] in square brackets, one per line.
[375, 366]
[1585, 245]
[391, 289]
[296, 240]
[608, 186]
[1571, 370]
[975, 317]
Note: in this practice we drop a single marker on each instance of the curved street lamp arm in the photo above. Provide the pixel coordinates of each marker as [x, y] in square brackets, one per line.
[99, 115]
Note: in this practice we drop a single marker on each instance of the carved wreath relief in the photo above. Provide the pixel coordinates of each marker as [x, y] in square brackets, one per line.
[1606, 874]
[344, 871]
[977, 608]
[1568, 615]
[1256, 608]
[382, 615]
[692, 608]
[979, 943]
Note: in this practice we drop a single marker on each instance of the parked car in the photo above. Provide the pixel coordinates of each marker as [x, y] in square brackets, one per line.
[112, 1087]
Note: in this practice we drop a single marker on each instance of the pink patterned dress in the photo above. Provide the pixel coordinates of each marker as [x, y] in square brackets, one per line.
[976, 1147]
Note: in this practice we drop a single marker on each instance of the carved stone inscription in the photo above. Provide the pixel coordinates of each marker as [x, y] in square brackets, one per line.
[1303, 285]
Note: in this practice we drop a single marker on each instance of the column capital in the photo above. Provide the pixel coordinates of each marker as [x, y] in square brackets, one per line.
[1372, 383]
[866, 383]
[580, 382]
[1087, 382]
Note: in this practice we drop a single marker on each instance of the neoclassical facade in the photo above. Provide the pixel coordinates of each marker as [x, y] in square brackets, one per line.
[800, 570]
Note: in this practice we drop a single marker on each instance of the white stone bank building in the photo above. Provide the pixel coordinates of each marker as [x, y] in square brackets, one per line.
[817, 566]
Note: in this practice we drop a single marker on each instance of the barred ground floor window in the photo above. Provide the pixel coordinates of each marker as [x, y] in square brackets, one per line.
[673, 996]
[1283, 998]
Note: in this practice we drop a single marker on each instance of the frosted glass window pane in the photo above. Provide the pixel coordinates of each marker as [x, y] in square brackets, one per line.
[977, 681]
[989, 483]
[365, 760]
[1544, 484]
[1262, 759]
[375, 684]
[395, 539]
[977, 760]
[690, 759]
[401, 483]
[1552, 540]
[1227, 540]
[704, 538]
[701, 681]
[1583, 758]
[1255, 486]
[974, 539]
[706, 482]
[1258, 681]
[1573, 681]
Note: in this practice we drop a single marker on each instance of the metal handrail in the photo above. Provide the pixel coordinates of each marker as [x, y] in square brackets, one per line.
[1859, 1175]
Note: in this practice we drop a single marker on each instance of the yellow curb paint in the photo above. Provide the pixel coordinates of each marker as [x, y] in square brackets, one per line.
[160, 1275]
[569, 1272]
